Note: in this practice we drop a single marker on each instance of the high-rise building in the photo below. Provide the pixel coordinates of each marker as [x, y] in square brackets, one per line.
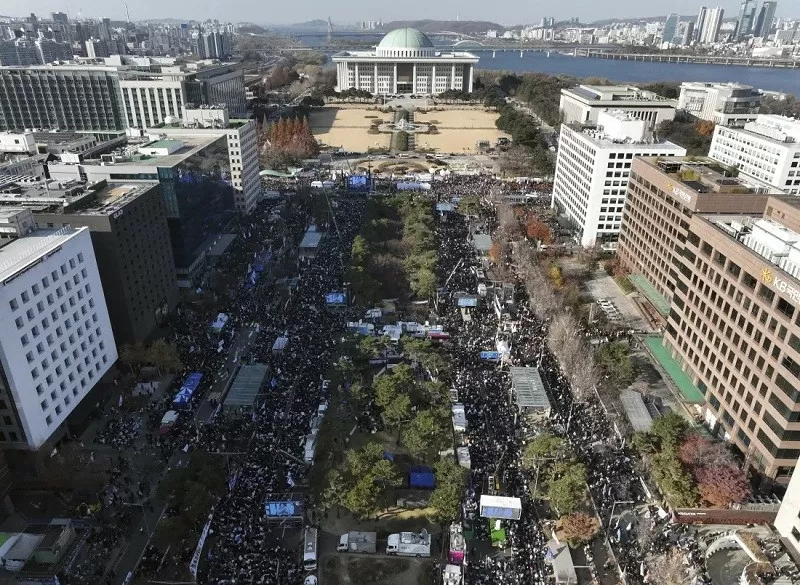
[670, 28]
[583, 104]
[719, 257]
[128, 225]
[745, 19]
[766, 16]
[711, 25]
[688, 34]
[700, 23]
[56, 341]
[68, 97]
[113, 97]
[97, 48]
[149, 97]
[194, 170]
[105, 30]
[727, 104]
[60, 18]
[787, 522]
[50, 51]
[592, 172]
[19, 53]
[767, 148]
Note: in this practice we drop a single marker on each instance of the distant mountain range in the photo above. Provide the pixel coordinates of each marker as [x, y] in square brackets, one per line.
[433, 26]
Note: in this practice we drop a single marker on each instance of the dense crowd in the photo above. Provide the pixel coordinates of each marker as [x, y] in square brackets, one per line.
[246, 546]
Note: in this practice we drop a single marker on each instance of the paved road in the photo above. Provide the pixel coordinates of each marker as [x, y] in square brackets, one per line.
[144, 525]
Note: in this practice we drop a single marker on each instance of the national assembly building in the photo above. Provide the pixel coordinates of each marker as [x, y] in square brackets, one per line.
[405, 62]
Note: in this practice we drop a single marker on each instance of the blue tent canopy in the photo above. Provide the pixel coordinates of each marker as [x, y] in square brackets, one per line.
[184, 395]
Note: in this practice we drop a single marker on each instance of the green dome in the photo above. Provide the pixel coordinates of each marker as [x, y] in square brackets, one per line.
[405, 38]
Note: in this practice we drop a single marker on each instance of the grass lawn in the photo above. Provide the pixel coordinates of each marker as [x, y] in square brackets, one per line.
[624, 284]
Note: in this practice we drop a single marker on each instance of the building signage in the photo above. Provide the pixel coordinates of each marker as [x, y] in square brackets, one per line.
[681, 194]
[781, 285]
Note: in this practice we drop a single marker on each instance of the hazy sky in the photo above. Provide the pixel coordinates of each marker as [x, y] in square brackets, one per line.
[276, 11]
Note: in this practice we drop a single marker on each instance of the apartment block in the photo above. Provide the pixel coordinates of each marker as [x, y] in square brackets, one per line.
[583, 104]
[728, 104]
[130, 236]
[592, 171]
[767, 149]
[56, 341]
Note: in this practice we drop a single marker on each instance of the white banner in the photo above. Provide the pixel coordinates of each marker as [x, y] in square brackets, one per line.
[195, 562]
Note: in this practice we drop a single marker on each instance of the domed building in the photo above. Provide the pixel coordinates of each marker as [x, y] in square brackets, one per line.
[405, 62]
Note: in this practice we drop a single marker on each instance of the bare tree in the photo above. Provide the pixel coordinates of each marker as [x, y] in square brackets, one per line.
[667, 568]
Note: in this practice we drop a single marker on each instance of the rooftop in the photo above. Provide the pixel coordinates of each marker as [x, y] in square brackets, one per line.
[706, 175]
[24, 252]
[614, 93]
[778, 129]
[246, 386]
[129, 155]
[773, 241]
[101, 198]
[528, 386]
[405, 38]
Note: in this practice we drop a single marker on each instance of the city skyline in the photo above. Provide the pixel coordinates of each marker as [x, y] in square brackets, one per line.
[355, 10]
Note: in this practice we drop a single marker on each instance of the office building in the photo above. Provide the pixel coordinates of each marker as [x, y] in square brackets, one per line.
[688, 34]
[150, 97]
[767, 149]
[662, 197]
[592, 172]
[50, 51]
[787, 522]
[727, 104]
[57, 342]
[97, 48]
[213, 44]
[111, 98]
[105, 30]
[745, 20]
[243, 157]
[193, 169]
[711, 25]
[583, 104]
[60, 17]
[670, 30]
[700, 22]
[405, 62]
[718, 256]
[69, 97]
[130, 236]
[766, 16]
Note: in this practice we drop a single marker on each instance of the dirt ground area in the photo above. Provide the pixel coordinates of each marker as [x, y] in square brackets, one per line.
[460, 130]
[347, 570]
[347, 128]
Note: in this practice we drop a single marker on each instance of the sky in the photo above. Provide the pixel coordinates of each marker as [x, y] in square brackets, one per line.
[260, 11]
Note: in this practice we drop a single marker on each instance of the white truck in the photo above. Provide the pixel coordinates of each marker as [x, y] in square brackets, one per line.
[358, 542]
[310, 549]
[409, 544]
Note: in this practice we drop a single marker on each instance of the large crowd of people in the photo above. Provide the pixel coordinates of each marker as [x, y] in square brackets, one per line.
[243, 544]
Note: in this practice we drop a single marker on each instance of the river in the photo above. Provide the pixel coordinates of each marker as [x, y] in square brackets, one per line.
[633, 72]
[785, 80]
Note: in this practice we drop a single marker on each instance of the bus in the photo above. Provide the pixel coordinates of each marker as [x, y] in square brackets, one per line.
[310, 549]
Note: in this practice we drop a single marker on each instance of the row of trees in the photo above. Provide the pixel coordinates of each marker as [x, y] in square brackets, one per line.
[160, 355]
[561, 479]
[689, 468]
[564, 333]
[529, 154]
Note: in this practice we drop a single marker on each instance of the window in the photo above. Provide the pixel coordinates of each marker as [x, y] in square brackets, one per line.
[785, 307]
[766, 293]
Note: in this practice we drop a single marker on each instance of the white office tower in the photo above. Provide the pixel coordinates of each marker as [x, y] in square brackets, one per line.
[55, 335]
[592, 172]
[767, 149]
[787, 522]
[711, 25]
[583, 104]
[729, 104]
